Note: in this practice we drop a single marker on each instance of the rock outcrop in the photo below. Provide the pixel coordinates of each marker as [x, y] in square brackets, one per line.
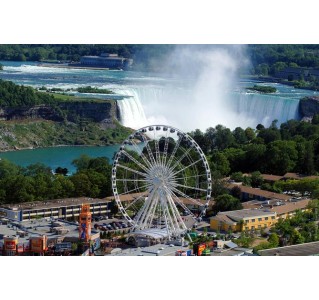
[308, 107]
[75, 111]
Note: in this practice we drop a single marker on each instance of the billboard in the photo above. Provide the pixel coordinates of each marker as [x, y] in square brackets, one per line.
[20, 248]
[63, 246]
[10, 243]
[38, 244]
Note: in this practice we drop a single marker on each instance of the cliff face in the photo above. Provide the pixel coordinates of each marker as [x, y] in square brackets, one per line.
[70, 111]
[309, 106]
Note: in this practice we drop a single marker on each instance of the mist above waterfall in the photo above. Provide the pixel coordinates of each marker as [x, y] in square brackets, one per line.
[201, 89]
[211, 72]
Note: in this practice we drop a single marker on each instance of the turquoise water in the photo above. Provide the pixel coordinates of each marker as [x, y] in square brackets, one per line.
[58, 156]
[185, 104]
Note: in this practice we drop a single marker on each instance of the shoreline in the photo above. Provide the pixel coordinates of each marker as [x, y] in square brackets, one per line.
[55, 146]
[48, 65]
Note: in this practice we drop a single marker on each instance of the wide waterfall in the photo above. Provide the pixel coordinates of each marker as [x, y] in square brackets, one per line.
[188, 110]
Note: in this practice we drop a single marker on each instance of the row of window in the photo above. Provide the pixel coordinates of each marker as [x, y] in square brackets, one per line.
[253, 227]
[260, 219]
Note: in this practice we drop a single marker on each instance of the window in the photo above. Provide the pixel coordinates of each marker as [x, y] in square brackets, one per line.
[259, 219]
[252, 227]
[259, 226]
[246, 221]
[273, 218]
[246, 228]
[266, 218]
[253, 220]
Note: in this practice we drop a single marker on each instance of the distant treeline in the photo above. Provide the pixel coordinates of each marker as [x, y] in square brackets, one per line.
[269, 59]
[265, 59]
[13, 95]
[144, 55]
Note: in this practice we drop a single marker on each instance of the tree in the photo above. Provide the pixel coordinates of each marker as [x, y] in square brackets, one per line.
[226, 203]
[273, 240]
[256, 179]
[237, 176]
[218, 187]
[82, 162]
[62, 171]
[281, 157]
[82, 184]
[219, 162]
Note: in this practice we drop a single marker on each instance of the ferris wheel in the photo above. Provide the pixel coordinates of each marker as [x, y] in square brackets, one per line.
[160, 178]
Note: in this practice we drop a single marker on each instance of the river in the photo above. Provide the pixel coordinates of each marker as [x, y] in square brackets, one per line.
[147, 98]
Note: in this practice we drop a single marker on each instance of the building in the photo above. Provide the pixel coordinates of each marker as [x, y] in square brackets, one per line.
[291, 74]
[68, 208]
[37, 237]
[243, 220]
[257, 215]
[106, 60]
[248, 193]
[306, 249]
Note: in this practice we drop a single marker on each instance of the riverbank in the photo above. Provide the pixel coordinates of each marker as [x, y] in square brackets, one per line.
[267, 79]
[67, 66]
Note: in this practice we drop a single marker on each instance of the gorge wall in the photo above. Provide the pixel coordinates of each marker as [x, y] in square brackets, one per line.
[74, 111]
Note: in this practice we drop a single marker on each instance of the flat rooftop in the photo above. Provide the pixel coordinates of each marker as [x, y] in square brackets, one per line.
[259, 192]
[53, 203]
[278, 207]
[155, 250]
[40, 227]
[307, 249]
[247, 213]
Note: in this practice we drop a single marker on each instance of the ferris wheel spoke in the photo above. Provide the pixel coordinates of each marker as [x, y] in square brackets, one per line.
[157, 152]
[136, 189]
[176, 215]
[174, 152]
[132, 170]
[134, 160]
[150, 154]
[180, 159]
[132, 180]
[134, 201]
[142, 213]
[186, 177]
[180, 202]
[186, 196]
[165, 151]
[189, 187]
[141, 153]
[190, 165]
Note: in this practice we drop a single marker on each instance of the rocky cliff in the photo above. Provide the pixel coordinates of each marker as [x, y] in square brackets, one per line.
[308, 107]
[72, 111]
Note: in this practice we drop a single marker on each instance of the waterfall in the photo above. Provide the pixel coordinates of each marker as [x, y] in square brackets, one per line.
[188, 109]
[259, 108]
[131, 110]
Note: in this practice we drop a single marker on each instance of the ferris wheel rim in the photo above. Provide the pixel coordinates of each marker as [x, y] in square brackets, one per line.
[149, 164]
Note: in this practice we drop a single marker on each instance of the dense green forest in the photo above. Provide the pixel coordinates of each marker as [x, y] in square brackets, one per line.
[292, 147]
[37, 182]
[265, 59]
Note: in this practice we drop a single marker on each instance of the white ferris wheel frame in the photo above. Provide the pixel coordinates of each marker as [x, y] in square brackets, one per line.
[159, 178]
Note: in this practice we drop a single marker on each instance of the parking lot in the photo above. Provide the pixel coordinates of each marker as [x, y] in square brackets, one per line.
[105, 224]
